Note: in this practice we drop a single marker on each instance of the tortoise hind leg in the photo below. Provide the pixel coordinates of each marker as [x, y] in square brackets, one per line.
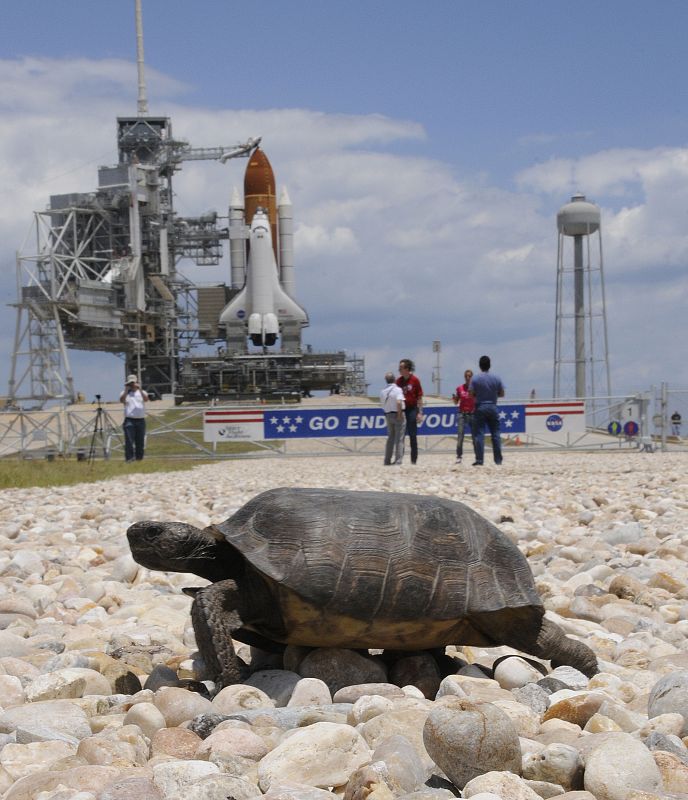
[526, 630]
[215, 616]
[557, 646]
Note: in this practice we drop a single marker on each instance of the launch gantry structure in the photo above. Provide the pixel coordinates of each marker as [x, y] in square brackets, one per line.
[103, 271]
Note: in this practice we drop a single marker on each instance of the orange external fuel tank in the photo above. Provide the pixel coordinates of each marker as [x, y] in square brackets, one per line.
[259, 191]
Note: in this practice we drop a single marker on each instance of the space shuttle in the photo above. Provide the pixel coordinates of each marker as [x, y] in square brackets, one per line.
[263, 309]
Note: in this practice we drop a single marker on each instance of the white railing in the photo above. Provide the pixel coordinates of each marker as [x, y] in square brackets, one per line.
[67, 432]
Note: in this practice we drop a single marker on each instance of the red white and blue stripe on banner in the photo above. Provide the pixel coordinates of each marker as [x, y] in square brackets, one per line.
[303, 423]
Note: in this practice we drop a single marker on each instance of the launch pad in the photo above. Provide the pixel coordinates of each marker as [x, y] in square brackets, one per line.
[103, 273]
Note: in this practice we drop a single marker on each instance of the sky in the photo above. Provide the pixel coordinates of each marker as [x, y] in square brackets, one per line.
[426, 149]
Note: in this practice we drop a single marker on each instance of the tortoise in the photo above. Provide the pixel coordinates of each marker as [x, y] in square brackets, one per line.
[350, 569]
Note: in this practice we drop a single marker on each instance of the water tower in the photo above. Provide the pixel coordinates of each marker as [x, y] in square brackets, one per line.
[581, 359]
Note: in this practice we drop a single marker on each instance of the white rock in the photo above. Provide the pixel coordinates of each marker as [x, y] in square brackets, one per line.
[310, 692]
[179, 705]
[55, 686]
[11, 691]
[505, 785]
[516, 672]
[175, 776]
[147, 716]
[619, 765]
[367, 707]
[25, 759]
[239, 698]
[323, 754]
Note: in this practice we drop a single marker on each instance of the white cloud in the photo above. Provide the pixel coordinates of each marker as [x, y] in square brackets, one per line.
[317, 241]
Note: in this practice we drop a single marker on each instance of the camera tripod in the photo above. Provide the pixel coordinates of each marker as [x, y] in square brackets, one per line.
[98, 434]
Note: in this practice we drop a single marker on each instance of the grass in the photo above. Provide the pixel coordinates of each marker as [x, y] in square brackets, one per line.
[166, 451]
[26, 473]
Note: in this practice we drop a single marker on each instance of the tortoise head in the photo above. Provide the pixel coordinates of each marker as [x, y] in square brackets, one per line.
[178, 547]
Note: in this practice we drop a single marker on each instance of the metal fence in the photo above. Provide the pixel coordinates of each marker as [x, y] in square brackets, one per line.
[631, 422]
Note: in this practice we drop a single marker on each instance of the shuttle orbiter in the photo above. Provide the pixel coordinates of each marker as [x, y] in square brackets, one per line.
[262, 310]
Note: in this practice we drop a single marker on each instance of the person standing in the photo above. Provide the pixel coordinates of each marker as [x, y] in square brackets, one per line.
[465, 403]
[134, 399]
[676, 424]
[392, 399]
[486, 388]
[413, 400]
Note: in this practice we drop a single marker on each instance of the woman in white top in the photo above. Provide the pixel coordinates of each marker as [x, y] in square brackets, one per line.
[134, 426]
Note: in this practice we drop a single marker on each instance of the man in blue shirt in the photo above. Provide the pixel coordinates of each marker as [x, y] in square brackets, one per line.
[486, 388]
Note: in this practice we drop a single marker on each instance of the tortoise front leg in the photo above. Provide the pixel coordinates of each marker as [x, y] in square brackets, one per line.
[215, 616]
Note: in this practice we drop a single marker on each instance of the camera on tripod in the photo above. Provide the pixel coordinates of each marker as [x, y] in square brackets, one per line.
[99, 432]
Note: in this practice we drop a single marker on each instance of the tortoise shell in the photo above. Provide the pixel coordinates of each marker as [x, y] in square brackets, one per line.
[382, 555]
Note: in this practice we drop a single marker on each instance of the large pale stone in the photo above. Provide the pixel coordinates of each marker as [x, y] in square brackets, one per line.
[673, 771]
[176, 742]
[504, 785]
[11, 691]
[120, 747]
[555, 763]
[90, 778]
[405, 770]
[233, 741]
[403, 722]
[217, 787]
[323, 754]
[135, 787]
[55, 686]
[513, 673]
[370, 781]
[367, 707]
[240, 697]
[172, 777]
[147, 716]
[25, 759]
[669, 724]
[670, 695]
[349, 694]
[288, 790]
[180, 705]
[618, 765]
[62, 716]
[468, 739]
[310, 692]
[526, 721]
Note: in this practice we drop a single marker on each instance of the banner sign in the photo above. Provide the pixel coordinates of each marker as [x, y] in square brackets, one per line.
[261, 424]
[233, 425]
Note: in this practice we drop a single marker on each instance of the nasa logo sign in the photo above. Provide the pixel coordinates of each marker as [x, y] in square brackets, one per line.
[241, 313]
[554, 422]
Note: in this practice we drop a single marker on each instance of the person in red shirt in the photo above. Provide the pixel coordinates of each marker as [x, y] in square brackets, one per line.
[465, 403]
[413, 399]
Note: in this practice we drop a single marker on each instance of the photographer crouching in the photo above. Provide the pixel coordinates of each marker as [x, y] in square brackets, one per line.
[134, 426]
